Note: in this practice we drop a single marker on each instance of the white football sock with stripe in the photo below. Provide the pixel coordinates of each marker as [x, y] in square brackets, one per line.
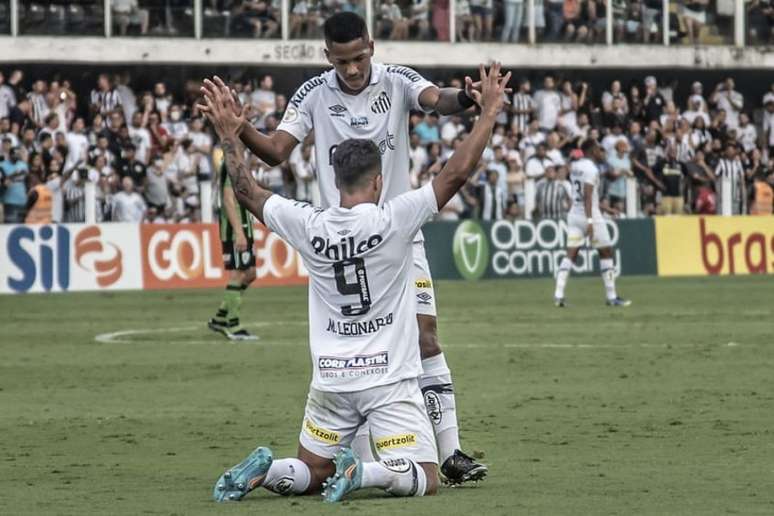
[400, 477]
[361, 444]
[438, 390]
[288, 477]
[608, 277]
[561, 277]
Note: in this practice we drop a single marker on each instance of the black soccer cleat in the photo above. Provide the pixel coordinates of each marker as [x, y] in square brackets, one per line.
[559, 302]
[461, 468]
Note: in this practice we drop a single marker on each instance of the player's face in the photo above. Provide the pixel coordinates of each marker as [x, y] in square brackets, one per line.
[352, 62]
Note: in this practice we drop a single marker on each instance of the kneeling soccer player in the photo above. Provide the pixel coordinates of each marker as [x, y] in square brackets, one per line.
[585, 219]
[362, 324]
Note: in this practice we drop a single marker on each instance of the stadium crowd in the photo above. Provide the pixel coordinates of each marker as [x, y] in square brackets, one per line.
[583, 21]
[148, 152]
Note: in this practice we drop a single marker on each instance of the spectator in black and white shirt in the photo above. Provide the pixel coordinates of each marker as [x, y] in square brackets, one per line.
[730, 166]
[105, 98]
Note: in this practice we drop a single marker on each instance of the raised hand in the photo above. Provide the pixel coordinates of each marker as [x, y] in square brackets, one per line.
[209, 87]
[493, 86]
[222, 109]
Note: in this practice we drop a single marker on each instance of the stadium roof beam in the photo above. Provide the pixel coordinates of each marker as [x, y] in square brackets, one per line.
[85, 50]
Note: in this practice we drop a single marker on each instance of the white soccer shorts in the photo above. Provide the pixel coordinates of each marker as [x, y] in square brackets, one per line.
[423, 282]
[396, 417]
[576, 232]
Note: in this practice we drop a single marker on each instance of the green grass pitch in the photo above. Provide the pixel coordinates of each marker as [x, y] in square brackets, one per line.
[666, 407]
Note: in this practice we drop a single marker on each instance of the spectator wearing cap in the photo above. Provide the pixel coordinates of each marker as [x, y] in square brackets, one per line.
[548, 104]
[536, 165]
[728, 100]
[730, 166]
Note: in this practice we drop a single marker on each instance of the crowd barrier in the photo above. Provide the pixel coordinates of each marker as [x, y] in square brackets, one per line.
[72, 257]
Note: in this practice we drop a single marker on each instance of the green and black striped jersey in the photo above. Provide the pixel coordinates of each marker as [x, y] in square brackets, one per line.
[226, 231]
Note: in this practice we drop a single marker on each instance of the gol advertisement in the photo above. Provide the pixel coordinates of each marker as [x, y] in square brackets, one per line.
[690, 246]
[189, 256]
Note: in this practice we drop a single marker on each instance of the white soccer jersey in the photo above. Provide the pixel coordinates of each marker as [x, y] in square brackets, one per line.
[584, 172]
[362, 304]
[380, 113]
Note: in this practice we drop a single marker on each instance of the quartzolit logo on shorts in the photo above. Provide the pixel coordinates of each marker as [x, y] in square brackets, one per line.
[470, 248]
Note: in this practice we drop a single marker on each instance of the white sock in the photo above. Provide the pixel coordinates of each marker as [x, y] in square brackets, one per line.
[561, 277]
[608, 277]
[361, 444]
[287, 477]
[400, 477]
[437, 388]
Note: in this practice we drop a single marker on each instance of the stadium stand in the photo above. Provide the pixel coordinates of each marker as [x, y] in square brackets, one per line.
[665, 139]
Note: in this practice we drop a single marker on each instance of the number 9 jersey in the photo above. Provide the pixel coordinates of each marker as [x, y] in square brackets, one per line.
[362, 305]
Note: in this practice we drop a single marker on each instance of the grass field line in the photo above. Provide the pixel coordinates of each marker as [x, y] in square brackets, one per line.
[120, 337]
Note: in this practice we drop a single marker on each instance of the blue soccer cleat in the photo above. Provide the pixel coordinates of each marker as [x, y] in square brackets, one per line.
[348, 476]
[239, 480]
[618, 302]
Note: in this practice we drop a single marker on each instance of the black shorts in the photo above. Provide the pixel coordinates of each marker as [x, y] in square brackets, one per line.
[235, 261]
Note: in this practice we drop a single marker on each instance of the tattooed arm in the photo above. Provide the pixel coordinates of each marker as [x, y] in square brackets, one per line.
[247, 191]
[227, 119]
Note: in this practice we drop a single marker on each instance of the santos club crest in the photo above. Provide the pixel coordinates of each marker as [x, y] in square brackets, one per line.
[381, 104]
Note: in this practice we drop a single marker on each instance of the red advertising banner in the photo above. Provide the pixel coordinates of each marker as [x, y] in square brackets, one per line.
[189, 256]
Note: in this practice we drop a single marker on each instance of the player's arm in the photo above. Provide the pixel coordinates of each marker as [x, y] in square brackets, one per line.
[230, 205]
[466, 157]
[447, 101]
[273, 149]
[588, 193]
[222, 113]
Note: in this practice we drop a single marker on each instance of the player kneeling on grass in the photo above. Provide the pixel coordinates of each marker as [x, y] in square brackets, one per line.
[585, 219]
[362, 325]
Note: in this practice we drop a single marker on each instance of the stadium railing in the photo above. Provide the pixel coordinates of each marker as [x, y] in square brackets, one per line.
[728, 27]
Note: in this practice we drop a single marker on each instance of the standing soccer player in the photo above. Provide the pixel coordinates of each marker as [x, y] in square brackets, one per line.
[585, 219]
[362, 309]
[236, 240]
[359, 98]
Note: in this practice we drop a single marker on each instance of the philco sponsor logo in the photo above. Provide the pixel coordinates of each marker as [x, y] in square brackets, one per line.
[358, 362]
[470, 249]
[396, 441]
[527, 248]
[345, 248]
[321, 434]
